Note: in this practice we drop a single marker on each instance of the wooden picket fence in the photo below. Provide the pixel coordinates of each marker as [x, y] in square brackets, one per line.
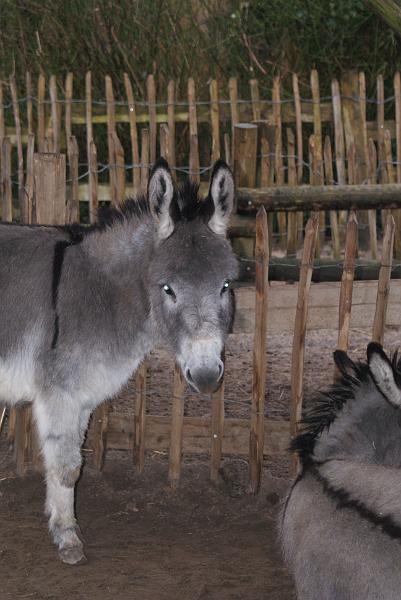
[261, 309]
[287, 139]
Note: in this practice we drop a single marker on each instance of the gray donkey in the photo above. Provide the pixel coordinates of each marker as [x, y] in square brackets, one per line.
[341, 522]
[80, 309]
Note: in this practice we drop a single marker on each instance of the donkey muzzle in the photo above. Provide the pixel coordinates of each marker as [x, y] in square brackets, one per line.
[205, 380]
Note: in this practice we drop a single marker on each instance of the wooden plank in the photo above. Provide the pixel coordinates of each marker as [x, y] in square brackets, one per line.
[194, 167]
[29, 106]
[69, 82]
[298, 121]
[41, 111]
[347, 282]
[20, 168]
[316, 178]
[6, 190]
[136, 170]
[256, 439]
[177, 420]
[329, 179]
[72, 208]
[50, 188]
[100, 435]
[54, 115]
[292, 234]
[234, 109]
[140, 418]
[328, 197]
[298, 346]
[353, 100]
[151, 93]
[93, 183]
[245, 152]
[144, 159]
[195, 435]
[383, 287]
[171, 121]
[215, 119]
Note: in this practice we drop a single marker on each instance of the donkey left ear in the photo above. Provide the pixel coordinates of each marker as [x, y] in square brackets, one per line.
[160, 195]
[221, 192]
[382, 372]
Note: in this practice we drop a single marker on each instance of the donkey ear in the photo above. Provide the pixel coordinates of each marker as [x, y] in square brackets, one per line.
[382, 373]
[222, 194]
[344, 364]
[160, 195]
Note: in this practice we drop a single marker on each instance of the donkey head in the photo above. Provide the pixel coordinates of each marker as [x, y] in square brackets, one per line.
[192, 268]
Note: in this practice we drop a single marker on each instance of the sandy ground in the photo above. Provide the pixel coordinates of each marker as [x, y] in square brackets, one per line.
[144, 541]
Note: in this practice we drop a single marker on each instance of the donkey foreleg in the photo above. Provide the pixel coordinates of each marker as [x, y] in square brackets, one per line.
[61, 428]
[375, 487]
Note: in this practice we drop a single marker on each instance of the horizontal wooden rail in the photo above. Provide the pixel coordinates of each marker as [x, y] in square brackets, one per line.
[319, 197]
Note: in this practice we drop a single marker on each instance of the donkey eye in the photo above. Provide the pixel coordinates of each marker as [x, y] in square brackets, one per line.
[225, 286]
[168, 290]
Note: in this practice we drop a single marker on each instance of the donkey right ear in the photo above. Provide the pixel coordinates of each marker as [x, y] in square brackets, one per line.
[382, 373]
[160, 196]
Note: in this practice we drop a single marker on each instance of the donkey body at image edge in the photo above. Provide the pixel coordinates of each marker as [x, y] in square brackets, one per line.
[340, 526]
[81, 309]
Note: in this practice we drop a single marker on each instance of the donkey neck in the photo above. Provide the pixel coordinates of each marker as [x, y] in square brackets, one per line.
[121, 255]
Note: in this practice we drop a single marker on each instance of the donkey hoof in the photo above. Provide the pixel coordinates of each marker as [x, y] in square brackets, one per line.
[72, 555]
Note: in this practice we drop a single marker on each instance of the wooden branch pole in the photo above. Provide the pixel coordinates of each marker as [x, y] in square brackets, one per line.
[136, 171]
[256, 440]
[320, 197]
[171, 121]
[6, 194]
[100, 429]
[68, 104]
[144, 159]
[72, 209]
[245, 150]
[41, 112]
[301, 316]
[194, 165]
[292, 180]
[151, 93]
[215, 119]
[29, 103]
[118, 168]
[329, 179]
[54, 114]
[383, 286]
[347, 282]
[18, 131]
[139, 418]
[93, 183]
[88, 114]
[298, 121]
[177, 421]
[217, 423]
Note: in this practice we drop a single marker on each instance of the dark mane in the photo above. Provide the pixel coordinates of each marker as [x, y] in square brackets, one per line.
[327, 405]
[186, 205]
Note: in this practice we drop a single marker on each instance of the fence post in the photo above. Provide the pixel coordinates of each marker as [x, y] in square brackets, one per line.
[383, 286]
[347, 282]
[177, 422]
[301, 315]
[256, 440]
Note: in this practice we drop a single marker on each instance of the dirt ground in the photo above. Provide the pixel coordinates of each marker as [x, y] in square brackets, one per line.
[144, 541]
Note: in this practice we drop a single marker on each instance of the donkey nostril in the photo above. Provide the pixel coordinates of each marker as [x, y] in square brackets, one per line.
[188, 375]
